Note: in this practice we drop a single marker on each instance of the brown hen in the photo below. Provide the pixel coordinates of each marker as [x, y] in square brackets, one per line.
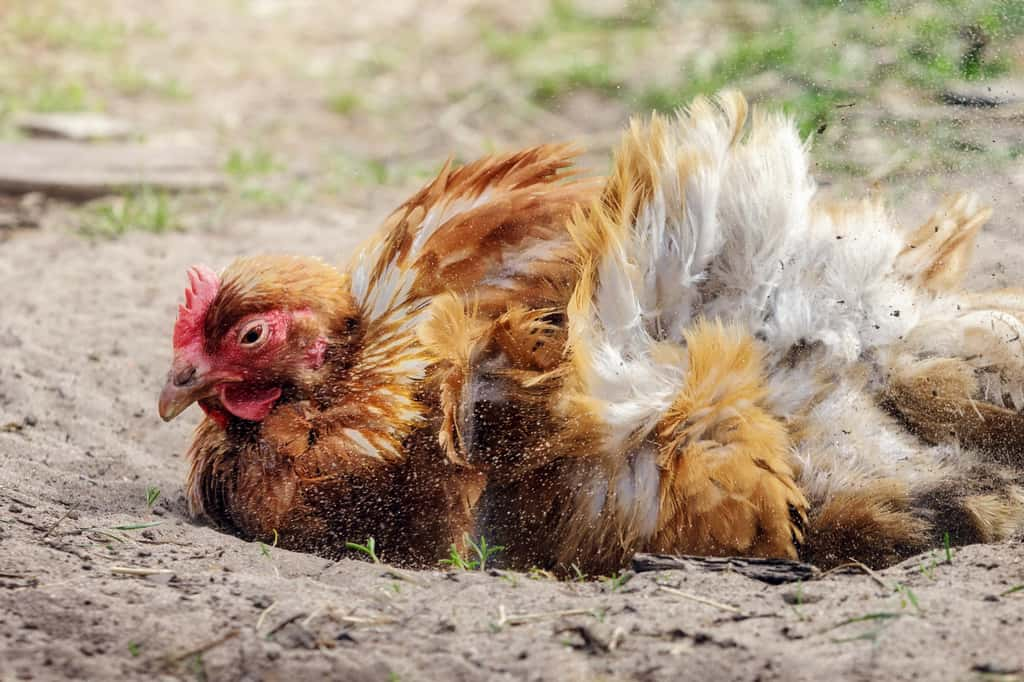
[322, 420]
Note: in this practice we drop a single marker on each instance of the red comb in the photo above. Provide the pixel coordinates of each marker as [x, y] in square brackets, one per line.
[203, 286]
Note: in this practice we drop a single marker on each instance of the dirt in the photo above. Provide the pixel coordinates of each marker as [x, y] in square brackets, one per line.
[84, 336]
[96, 583]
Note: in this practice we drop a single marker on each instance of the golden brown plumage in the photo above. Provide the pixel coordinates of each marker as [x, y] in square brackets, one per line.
[696, 357]
[743, 369]
[323, 412]
[587, 466]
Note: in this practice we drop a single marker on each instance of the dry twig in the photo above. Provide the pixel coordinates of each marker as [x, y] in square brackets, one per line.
[860, 566]
[140, 571]
[522, 618]
[699, 599]
[202, 648]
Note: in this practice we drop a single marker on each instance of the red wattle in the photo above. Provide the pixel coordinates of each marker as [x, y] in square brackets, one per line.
[251, 403]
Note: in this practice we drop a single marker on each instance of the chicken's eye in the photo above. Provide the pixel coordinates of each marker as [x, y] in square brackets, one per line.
[253, 334]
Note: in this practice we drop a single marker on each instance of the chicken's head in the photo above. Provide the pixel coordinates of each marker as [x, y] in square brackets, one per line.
[260, 333]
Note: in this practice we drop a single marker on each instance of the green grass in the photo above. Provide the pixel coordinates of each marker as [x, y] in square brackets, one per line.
[567, 19]
[537, 573]
[481, 554]
[615, 582]
[570, 50]
[961, 40]
[265, 548]
[595, 76]
[258, 178]
[344, 170]
[49, 29]
[927, 568]
[907, 597]
[130, 81]
[813, 105]
[815, 109]
[146, 210]
[369, 548]
[251, 163]
[108, 534]
[344, 102]
[798, 601]
[137, 526]
[750, 55]
[882, 618]
[59, 96]
[152, 495]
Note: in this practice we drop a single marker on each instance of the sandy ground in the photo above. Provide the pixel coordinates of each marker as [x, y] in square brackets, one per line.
[96, 585]
[84, 340]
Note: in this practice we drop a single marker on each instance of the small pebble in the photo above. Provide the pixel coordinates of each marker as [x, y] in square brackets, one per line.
[30, 420]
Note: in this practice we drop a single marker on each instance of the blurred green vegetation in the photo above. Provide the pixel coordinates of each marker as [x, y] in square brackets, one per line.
[144, 210]
[325, 111]
[823, 52]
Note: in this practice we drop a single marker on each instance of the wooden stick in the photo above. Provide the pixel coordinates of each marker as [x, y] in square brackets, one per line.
[379, 620]
[202, 648]
[860, 566]
[771, 571]
[140, 571]
[874, 576]
[110, 535]
[700, 600]
[263, 615]
[521, 618]
[58, 522]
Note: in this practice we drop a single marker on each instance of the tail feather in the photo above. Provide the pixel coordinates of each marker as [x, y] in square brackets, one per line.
[764, 212]
[937, 254]
[686, 458]
[647, 245]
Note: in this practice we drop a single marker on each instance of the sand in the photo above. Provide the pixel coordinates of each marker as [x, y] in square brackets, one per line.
[84, 345]
[95, 584]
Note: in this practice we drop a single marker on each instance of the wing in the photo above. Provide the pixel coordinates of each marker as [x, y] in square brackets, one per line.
[495, 227]
[495, 231]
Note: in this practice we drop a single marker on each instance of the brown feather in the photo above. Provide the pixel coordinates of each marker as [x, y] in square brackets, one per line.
[353, 449]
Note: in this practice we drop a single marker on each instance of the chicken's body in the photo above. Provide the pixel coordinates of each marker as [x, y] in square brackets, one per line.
[701, 358]
[330, 436]
[748, 371]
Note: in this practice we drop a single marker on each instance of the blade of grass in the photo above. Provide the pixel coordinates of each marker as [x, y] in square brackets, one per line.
[135, 526]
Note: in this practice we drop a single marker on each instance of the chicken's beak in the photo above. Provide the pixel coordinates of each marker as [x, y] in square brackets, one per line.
[185, 385]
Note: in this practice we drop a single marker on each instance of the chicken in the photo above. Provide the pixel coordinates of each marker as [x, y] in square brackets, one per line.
[741, 369]
[322, 417]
